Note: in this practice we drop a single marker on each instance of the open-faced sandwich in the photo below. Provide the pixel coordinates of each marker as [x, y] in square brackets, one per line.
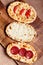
[21, 32]
[22, 52]
[22, 12]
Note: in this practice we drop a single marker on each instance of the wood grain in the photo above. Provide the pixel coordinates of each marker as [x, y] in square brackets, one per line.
[4, 40]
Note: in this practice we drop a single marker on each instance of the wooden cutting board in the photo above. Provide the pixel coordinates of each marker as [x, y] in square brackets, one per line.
[4, 40]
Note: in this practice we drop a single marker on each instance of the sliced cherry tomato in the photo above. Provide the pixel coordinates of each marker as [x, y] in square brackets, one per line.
[29, 54]
[21, 11]
[15, 8]
[28, 13]
[14, 50]
[22, 51]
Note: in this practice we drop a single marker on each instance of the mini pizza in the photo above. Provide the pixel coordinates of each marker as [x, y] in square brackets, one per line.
[21, 32]
[22, 52]
[22, 12]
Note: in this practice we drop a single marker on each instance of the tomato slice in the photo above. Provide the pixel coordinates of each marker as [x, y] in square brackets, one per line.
[28, 13]
[14, 50]
[22, 51]
[29, 54]
[21, 11]
[15, 8]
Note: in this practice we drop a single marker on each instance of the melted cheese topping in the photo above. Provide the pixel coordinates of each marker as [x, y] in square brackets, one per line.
[21, 32]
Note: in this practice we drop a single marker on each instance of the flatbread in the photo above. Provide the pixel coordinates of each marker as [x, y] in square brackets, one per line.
[21, 32]
[17, 16]
[20, 58]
